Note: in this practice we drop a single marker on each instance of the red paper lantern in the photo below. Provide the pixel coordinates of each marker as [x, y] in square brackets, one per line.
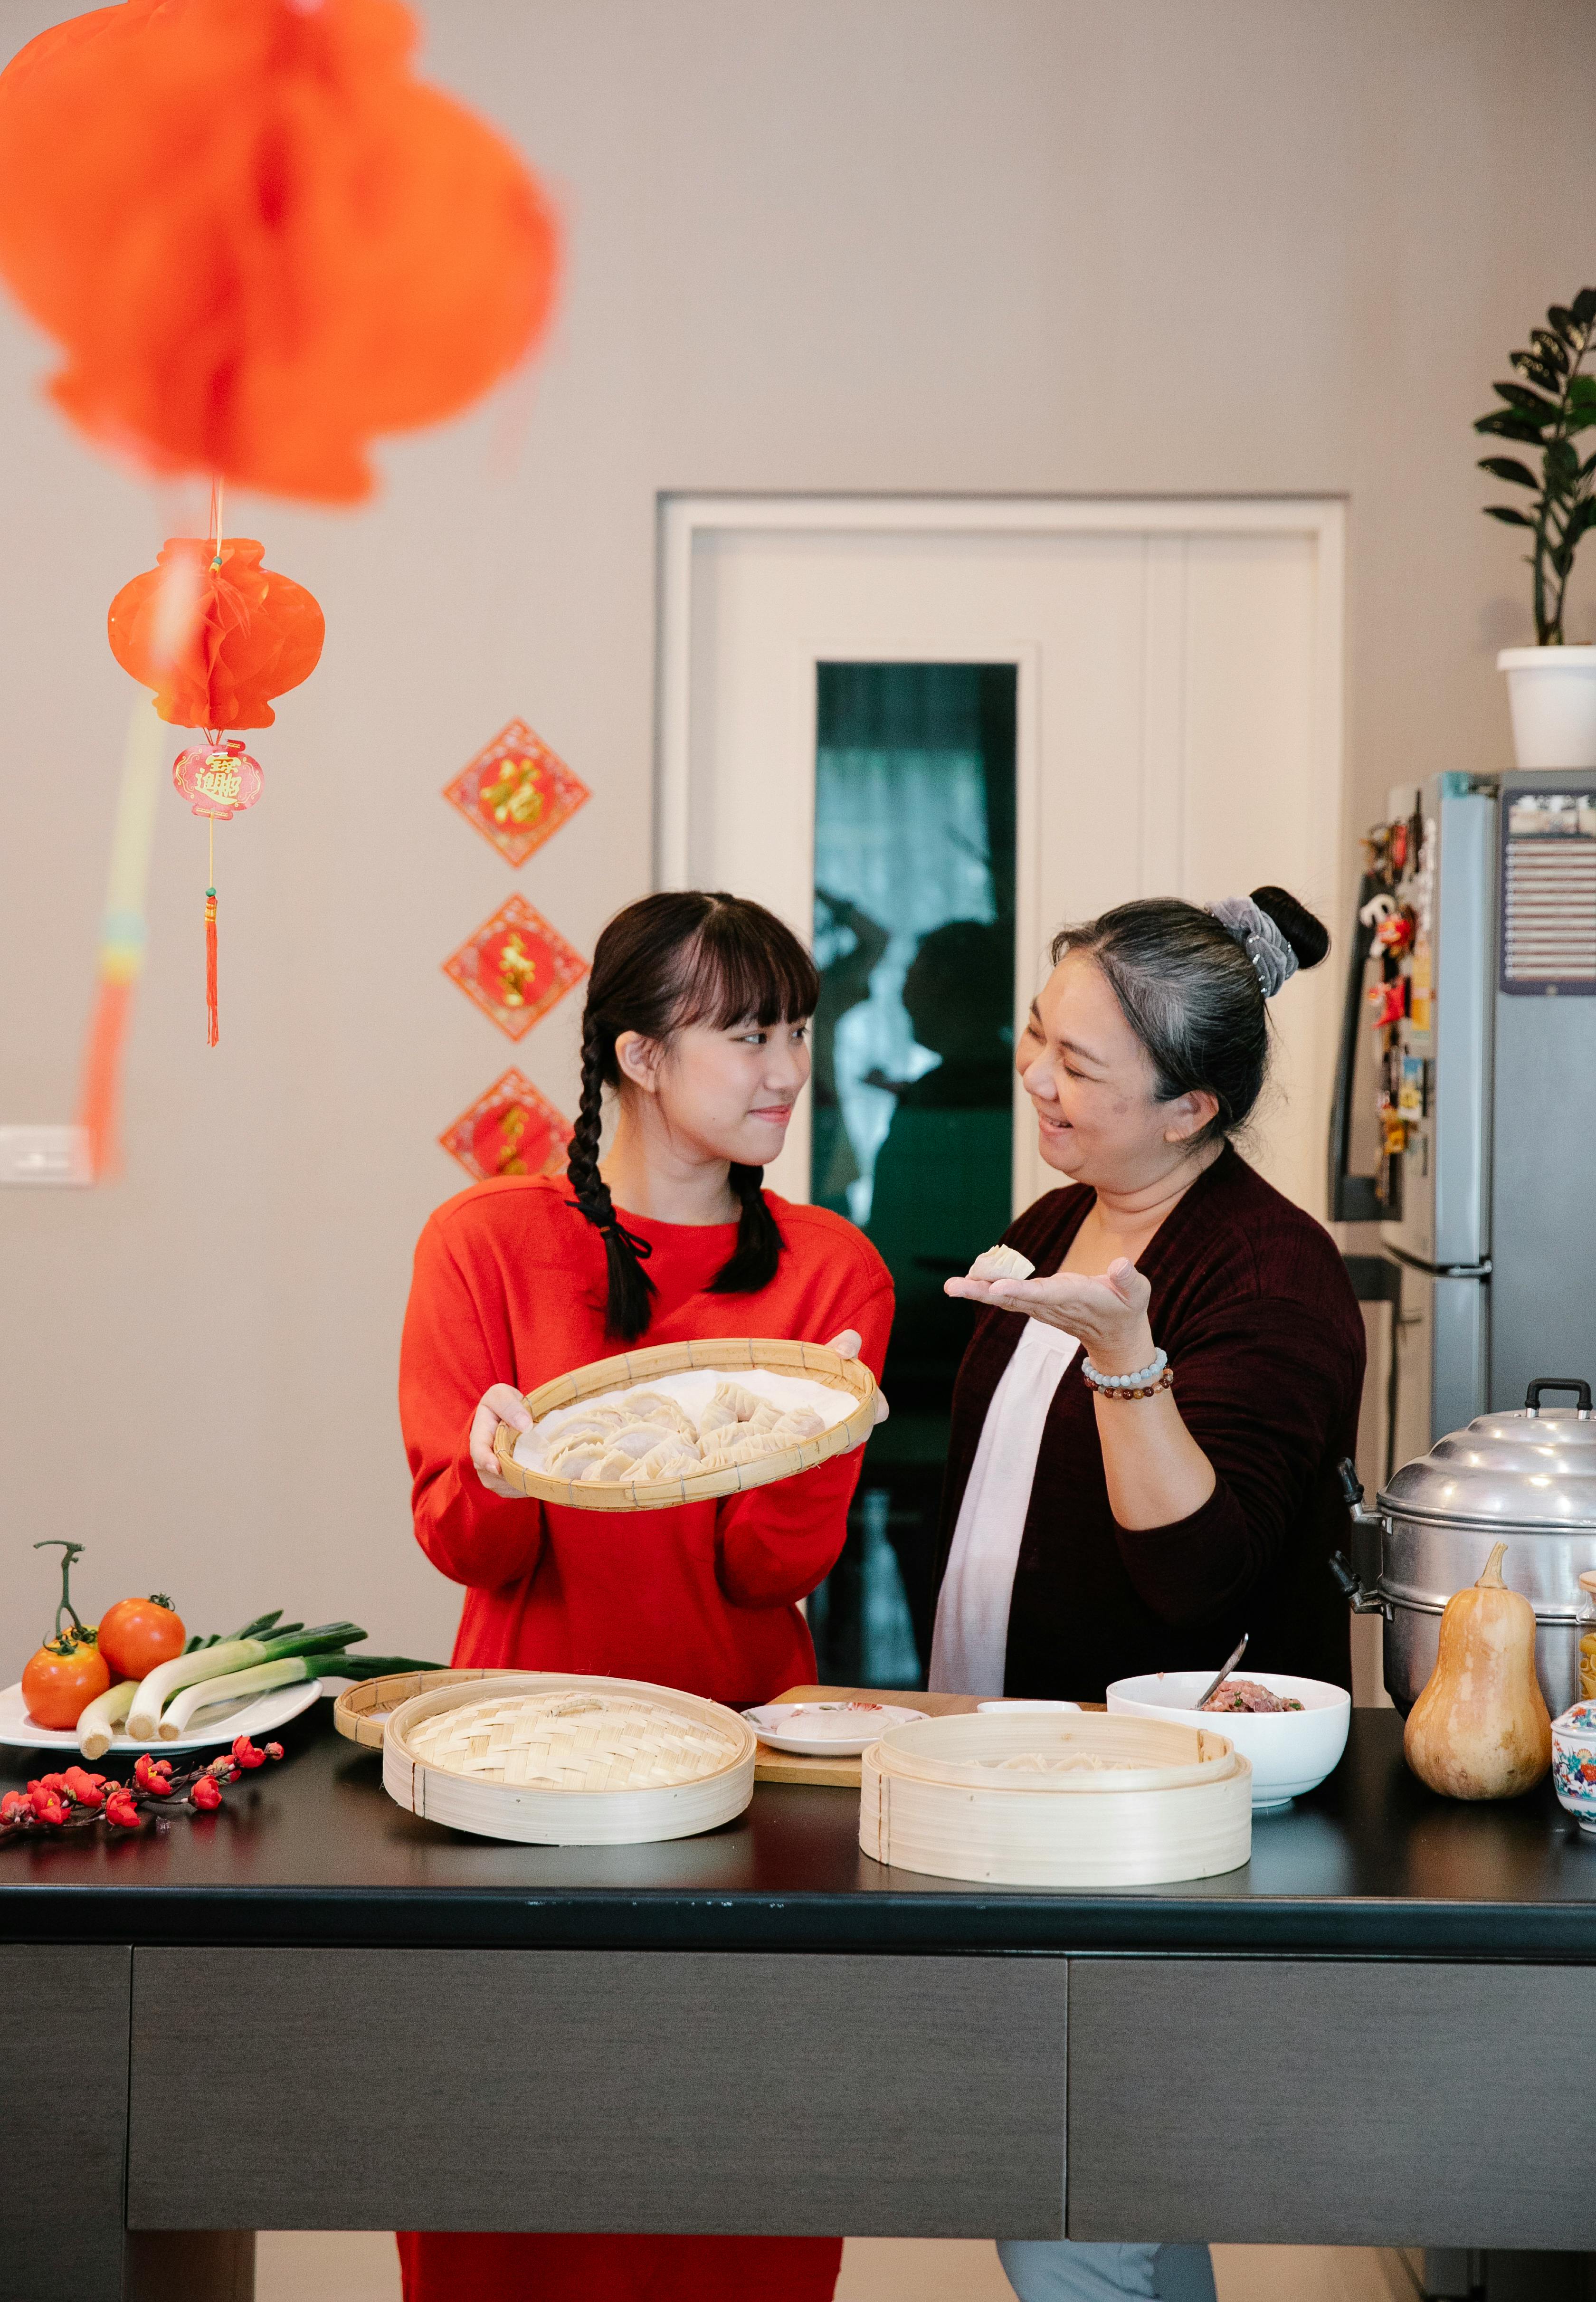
[259, 238]
[215, 641]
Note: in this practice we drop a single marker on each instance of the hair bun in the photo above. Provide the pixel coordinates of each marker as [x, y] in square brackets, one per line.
[1307, 936]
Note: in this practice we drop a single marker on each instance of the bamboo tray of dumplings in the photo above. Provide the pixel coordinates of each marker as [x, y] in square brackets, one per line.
[632, 1370]
[1031, 1800]
[564, 1759]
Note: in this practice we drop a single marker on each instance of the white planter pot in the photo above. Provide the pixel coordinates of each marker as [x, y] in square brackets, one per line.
[1551, 694]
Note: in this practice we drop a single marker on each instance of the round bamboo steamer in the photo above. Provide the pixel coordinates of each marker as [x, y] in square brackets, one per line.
[674, 1764]
[1143, 1808]
[733, 1355]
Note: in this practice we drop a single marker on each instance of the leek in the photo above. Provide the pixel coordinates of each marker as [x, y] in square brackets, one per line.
[98, 1721]
[230, 1687]
[168, 1679]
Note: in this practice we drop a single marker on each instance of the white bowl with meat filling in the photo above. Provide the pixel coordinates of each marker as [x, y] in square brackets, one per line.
[1291, 1751]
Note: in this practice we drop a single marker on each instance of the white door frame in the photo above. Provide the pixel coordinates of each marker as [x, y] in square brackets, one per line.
[685, 518]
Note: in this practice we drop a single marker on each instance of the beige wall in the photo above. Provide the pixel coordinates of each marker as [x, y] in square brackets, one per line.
[985, 245]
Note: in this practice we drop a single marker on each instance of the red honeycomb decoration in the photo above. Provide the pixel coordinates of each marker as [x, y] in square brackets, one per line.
[515, 792]
[516, 967]
[510, 1130]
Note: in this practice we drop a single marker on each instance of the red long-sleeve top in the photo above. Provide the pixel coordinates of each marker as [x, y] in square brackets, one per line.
[510, 1287]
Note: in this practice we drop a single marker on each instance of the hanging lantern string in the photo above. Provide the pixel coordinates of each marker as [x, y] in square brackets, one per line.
[211, 1030]
[216, 505]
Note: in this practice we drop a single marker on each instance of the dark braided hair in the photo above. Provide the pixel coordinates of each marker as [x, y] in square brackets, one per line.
[661, 964]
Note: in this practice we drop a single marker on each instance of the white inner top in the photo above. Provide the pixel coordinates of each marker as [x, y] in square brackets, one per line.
[692, 1389]
[972, 1613]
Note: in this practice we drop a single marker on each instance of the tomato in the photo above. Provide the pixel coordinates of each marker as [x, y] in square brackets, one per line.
[58, 1687]
[136, 1634]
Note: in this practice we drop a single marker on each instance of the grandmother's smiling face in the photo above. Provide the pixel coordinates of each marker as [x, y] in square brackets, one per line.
[1093, 1088]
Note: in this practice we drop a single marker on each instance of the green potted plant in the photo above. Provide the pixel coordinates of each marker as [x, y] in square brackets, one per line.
[1551, 687]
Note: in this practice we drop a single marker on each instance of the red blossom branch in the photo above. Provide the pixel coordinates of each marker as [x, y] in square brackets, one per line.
[76, 1800]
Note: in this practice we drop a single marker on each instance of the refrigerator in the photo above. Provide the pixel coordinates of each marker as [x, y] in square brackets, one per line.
[1464, 1120]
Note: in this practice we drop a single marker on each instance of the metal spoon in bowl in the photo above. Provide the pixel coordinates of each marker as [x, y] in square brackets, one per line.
[1207, 1697]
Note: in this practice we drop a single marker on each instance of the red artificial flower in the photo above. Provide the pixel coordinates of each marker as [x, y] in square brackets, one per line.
[153, 1776]
[47, 1807]
[14, 1805]
[56, 1782]
[244, 1753]
[87, 1790]
[273, 1749]
[120, 1809]
[207, 1793]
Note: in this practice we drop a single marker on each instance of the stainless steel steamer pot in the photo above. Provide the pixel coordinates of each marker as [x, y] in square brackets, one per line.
[1527, 1478]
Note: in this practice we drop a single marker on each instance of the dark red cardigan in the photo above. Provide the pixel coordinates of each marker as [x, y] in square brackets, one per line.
[1252, 1302]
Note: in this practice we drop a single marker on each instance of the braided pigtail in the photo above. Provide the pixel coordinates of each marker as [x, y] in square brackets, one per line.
[753, 1263]
[631, 1289]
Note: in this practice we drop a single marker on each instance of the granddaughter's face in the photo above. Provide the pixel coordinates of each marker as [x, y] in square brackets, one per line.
[724, 1094]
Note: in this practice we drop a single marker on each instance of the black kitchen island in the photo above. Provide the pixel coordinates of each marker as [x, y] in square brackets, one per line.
[315, 2010]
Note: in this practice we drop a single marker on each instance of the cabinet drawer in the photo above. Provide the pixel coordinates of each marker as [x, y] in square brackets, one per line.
[1347, 2104]
[439, 2089]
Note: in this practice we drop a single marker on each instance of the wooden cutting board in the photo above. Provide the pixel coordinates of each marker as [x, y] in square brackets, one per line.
[843, 1774]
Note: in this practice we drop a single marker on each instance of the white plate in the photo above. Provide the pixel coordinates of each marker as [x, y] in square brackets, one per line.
[1024, 1704]
[250, 1714]
[842, 1729]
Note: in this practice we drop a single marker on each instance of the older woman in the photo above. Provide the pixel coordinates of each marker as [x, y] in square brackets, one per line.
[1146, 1433]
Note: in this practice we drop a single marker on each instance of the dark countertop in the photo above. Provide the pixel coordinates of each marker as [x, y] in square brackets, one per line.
[313, 1850]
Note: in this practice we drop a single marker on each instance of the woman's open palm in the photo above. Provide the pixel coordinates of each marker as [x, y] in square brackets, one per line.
[1108, 1312]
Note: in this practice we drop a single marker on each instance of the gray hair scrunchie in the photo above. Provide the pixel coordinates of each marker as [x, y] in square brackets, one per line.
[1274, 962]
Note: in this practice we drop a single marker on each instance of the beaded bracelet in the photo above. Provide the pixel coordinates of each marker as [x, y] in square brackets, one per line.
[1166, 1382]
[1138, 1385]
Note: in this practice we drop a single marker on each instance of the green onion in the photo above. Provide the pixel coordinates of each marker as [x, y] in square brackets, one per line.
[222, 1660]
[230, 1686]
[368, 1666]
[98, 1721]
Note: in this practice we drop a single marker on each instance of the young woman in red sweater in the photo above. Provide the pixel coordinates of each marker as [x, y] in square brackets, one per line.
[695, 1020]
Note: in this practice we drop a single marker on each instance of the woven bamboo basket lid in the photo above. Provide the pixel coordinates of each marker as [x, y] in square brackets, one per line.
[634, 1370]
[1034, 1801]
[559, 1759]
[361, 1712]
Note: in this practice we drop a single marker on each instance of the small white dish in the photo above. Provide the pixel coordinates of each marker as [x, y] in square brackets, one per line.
[1021, 1704]
[1290, 1751]
[816, 1729]
[252, 1714]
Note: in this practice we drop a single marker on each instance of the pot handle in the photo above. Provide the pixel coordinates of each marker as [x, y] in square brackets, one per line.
[1573, 1383]
[1364, 1596]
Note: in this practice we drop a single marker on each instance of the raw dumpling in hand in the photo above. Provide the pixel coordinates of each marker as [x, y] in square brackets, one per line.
[673, 1458]
[731, 1404]
[740, 1447]
[593, 1423]
[615, 1464]
[1001, 1263]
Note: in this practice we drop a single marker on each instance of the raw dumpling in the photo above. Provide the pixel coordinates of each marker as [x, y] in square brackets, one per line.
[579, 1460]
[616, 1464]
[765, 1417]
[673, 1458]
[798, 1424]
[740, 1449]
[731, 1404]
[1001, 1263]
[594, 1423]
[654, 1407]
[636, 1439]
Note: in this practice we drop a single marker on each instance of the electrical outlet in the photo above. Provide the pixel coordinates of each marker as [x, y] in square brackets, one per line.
[45, 1155]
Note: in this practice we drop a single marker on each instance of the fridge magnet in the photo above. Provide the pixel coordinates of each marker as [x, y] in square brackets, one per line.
[512, 1129]
[516, 967]
[517, 792]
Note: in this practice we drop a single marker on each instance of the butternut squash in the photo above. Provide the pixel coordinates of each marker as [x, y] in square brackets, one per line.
[1481, 1728]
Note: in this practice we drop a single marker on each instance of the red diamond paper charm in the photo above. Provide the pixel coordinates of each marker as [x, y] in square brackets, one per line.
[516, 967]
[515, 792]
[510, 1130]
